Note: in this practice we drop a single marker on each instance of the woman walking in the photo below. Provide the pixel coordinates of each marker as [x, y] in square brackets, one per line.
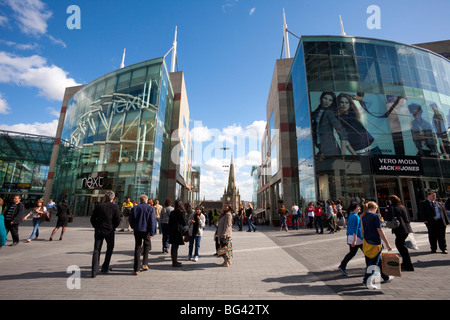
[177, 224]
[283, 217]
[197, 223]
[401, 232]
[373, 234]
[37, 213]
[63, 219]
[224, 232]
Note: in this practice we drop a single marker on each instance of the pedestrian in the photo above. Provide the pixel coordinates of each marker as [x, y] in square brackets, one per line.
[51, 207]
[126, 210]
[3, 236]
[142, 220]
[318, 218]
[215, 217]
[13, 217]
[63, 215]
[283, 217]
[224, 233]
[401, 232]
[330, 216]
[177, 224]
[294, 210]
[37, 213]
[164, 219]
[310, 215]
[373, 233]
[249, 215]
[240, 216]
[354, 236]
[447, 207]
[436, 221]
[210, 218]
[105, 219]
[158, 209]
[196, 224]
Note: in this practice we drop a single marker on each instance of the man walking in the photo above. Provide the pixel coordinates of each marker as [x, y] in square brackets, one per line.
[105, 219]
[436, 220]
[13, 216]
[143, 222]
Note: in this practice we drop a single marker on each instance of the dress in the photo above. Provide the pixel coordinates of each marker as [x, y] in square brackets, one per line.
[63, 215]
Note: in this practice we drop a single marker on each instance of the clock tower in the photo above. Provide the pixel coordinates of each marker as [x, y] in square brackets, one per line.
[230, 195]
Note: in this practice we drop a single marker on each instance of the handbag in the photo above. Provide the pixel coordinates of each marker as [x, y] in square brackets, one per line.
[223, 249]
[392, 224]
[370, 250]
[186, 238]
[70, 218]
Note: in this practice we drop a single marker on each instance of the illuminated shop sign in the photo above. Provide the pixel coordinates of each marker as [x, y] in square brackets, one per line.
[397, 165]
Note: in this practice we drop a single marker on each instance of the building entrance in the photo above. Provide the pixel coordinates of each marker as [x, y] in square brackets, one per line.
[84, 204]
[410, 190]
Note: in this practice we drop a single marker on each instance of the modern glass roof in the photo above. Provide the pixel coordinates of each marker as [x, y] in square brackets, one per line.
[15, 146]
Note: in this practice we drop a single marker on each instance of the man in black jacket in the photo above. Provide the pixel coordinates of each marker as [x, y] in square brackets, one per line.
[436, 220]
[13, 216]
[105, 219]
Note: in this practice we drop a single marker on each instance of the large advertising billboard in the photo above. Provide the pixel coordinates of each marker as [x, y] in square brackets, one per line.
[352, 123]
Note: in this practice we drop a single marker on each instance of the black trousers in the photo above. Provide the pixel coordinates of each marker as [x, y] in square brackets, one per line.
[14, 229]
[141, 241]
[99, 237]
[402, 249]
[436, 234]
[349, 256]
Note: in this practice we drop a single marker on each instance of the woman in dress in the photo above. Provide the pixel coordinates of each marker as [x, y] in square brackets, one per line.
[63, 219]
[224, 233]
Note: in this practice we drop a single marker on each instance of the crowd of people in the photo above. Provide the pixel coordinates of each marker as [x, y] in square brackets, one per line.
[180, 223]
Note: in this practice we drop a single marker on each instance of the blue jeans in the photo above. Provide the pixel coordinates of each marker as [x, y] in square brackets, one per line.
[251, 226]
[36, 223]
[374, 265]
[195, 239]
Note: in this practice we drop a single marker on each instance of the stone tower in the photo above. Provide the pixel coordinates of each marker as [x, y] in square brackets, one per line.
[231, 195]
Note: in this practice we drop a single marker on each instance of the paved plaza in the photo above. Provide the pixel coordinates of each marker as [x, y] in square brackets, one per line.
[268, 265]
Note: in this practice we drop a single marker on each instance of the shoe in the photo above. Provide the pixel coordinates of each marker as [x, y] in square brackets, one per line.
[13, 244]
[444, 251]
[136, 273]
[28, 240]
[389, 279]
[60, 238]
[51, 239]
[189, 258]
[144, 267]
[406, 268]
[195, 259]
[433, 251]
[93, 275]
[344, 272]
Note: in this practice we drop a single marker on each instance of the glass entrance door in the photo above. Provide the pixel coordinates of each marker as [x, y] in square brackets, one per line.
[385, 187]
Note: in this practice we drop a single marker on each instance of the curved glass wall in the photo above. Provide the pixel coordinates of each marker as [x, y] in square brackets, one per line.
[374, 108]
[119, 125]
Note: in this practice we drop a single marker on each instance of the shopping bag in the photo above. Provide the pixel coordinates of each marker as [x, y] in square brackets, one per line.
[391, 264]
[410, 242]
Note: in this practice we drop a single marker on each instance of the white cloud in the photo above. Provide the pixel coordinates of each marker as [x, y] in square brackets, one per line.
[252, 11]
[4, 107]
[31, 15]
[39, 128]
[3, 21]
[33, 71]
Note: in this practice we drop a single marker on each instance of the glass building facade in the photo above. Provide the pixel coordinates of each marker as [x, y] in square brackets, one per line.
[372, 119]
[119, 129]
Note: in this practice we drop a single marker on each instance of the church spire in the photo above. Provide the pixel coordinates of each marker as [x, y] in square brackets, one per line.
[231, 181]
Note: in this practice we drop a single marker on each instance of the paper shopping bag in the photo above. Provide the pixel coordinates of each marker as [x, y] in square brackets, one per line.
[391, 264]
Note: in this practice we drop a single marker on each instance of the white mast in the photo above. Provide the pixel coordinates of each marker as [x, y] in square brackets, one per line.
[286, 37]
[174, 52]
[123, 59]
[342, 26]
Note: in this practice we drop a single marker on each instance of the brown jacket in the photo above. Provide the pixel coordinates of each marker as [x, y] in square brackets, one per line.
[224, 225]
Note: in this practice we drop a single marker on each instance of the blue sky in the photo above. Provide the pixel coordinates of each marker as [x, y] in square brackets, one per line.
[226, 48]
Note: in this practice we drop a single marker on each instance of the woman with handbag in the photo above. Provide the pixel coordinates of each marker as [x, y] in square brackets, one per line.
[64, 217]
[402, 231]
[38, 213]
[196, 223]
[177, 231]
[372, 236]
[224, 232]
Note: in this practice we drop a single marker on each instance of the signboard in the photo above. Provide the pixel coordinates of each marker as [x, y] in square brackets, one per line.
[95, 180]
[397, 165]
